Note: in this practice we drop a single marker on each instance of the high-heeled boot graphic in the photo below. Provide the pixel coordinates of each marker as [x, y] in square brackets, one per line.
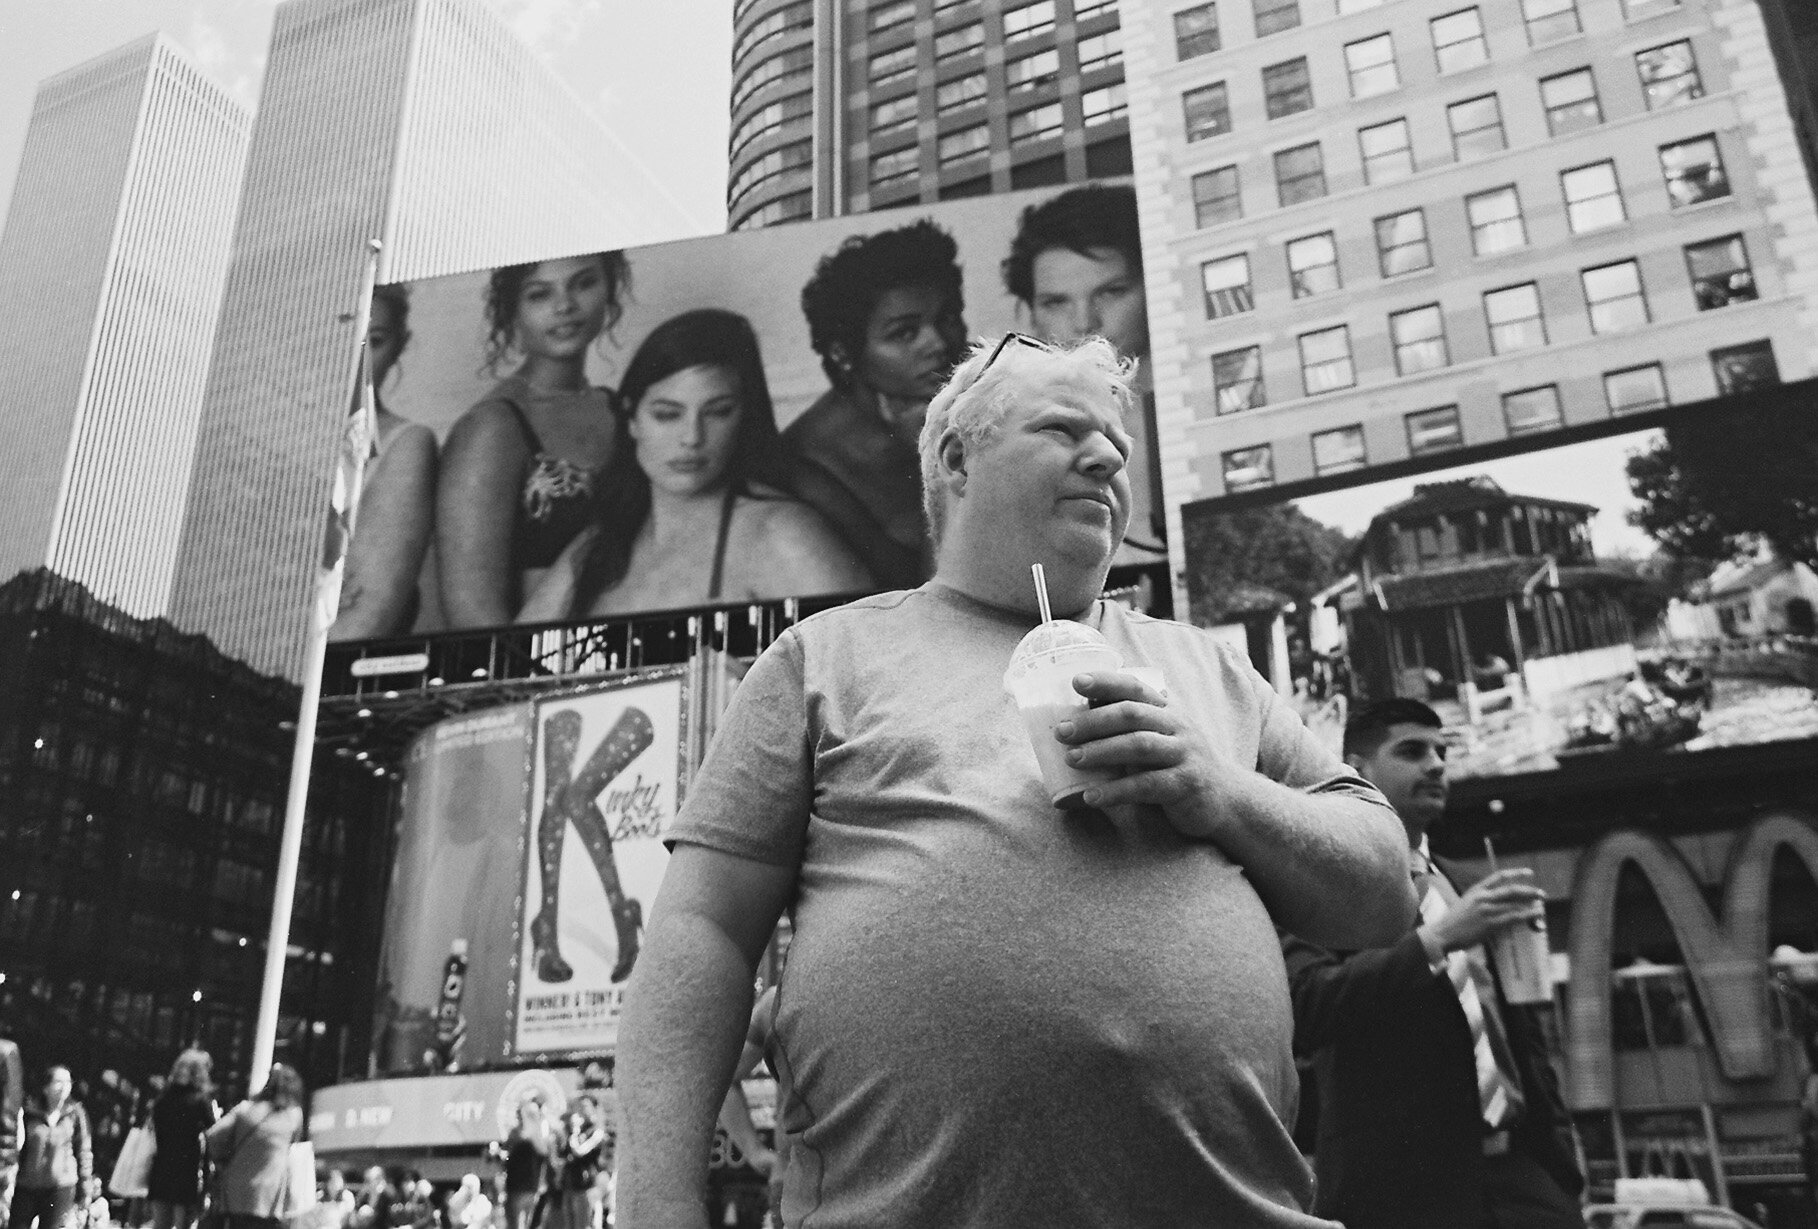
[569, 801]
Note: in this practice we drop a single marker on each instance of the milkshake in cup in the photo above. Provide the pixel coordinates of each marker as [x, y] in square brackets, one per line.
[1040, 680]
[1524, 961]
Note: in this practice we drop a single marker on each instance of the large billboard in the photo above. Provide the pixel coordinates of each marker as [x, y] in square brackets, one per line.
[1638, 589]
[529, 849]
[725, 419]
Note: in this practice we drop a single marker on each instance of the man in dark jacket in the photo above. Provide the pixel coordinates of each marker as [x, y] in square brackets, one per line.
[1438, 1104]
[12, 1101]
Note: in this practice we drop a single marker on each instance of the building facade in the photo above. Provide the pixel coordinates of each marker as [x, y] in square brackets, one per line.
[843, 107]
[425, 124]
[1376, 230]
[112, 261]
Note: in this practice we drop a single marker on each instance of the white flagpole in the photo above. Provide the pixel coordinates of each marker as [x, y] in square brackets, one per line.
[284, 888]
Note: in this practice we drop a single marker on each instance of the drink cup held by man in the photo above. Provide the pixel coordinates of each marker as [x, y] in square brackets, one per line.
[996, 1012]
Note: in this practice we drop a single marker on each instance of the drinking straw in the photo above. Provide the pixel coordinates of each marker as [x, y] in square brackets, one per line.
[1490, 852]
[1041, 599]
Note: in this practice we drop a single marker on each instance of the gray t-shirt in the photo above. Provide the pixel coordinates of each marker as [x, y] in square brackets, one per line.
[995, 1013]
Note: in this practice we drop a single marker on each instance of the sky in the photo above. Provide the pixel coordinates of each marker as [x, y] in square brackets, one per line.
[657, 72]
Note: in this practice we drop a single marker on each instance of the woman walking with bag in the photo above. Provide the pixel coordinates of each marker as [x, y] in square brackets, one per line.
[181, 1113]
[250, 1148]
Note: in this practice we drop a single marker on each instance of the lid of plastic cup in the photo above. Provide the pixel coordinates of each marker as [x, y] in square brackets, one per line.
[1056, 640]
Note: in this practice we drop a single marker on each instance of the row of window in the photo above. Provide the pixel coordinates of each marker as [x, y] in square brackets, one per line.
[791, 66]
[1196, 29]
[1022, 75]
[795, 155]
[793, 17]
[791, 208]
[1669, 77]
[786, 115]
[1630, 390]
[1098, 106]
[898, 63]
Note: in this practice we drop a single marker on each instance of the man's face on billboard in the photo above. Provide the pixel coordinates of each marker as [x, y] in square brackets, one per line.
[1077, 295]
[913, 339]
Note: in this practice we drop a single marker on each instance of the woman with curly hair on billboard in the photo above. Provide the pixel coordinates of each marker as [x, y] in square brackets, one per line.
[696, 509]
[523, 471]
[885, 314]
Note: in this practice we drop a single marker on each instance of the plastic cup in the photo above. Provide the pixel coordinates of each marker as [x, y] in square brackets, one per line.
[1040, 681]
[1524, 961]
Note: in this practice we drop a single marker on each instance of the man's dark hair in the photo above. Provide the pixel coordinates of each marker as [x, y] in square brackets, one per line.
[1084, 220]
[1369, 724]
[848, 282]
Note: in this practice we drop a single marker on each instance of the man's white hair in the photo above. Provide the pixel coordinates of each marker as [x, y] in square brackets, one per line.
[974, 405]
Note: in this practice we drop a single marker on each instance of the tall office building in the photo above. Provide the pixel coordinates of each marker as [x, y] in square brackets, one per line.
[841, 108]
[111, 267]
[1377, 230]
[426, 124]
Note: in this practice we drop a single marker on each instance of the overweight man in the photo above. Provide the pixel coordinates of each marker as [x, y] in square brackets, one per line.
[996, 1013]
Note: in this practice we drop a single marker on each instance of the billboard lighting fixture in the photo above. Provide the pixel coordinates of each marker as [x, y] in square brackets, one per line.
[242, 940]
[195, 996]
[480, 672]
[287, 724]
[361, 756]
[342, 751]
[437, 681]
[391, 695]
[364, 713]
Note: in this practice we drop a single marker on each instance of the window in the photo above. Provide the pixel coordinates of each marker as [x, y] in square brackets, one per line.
[1693, 170]
[1514, 317]
[1313, 265]
[959, 41]
[1458, 41]
[1196, 31]
[1669, 75]
[788, 157]
[893, 116]
[1300, 174]
[1338, 450]
[1274, 16]
[1035, 123]
[1401, 243]
[1371, 63]
[884, 16]
[791, 208]
[1085, 10]
[959, 92]
[1216, 198]
[1634, 389]
[786, 115]
[1325, 360]
[894, 167]
[1208, 111]
[1743, 368]
[1593, 197]
[1249, 467]
[1613, 294]
[1638, 9]
[1031, 70]
[1101, 50]
[889, 66]
[1720, 273]
[1388, 152]
[1287, 88]
[783, 69]
[1532, 409]
[1496, 224]
[1434, 430]
[1476, 127]
[1571, 102]
[1030, 20]
[1103, 105]
[795, 17]
[963, 143]
[1550, 19]
[1419, 338]
[1227, 286]
[1237, 382]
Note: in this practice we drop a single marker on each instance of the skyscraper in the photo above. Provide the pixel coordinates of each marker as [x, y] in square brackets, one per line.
[111, 269]
[840, 108]
[424, 123]
[1379, 230]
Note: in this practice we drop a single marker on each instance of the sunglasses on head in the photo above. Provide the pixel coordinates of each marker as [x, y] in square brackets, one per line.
[1022, 339]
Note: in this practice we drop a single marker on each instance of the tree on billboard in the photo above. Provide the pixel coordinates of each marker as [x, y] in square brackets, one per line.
[1712, 483]
[1275, 547]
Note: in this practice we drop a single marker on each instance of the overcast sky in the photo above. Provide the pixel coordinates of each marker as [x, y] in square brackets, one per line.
[656, 71]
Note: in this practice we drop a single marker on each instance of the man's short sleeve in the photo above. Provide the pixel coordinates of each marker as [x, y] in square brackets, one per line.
[752, 793]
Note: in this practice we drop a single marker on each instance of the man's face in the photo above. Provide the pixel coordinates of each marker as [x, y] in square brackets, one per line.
[1051, 485]
[1410, 770]
[1079, 295]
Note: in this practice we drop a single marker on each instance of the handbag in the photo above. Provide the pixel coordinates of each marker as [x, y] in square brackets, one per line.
[299, 1180]
[132, 1171]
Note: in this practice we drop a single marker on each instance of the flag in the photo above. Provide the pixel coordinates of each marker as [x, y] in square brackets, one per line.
[359, 441]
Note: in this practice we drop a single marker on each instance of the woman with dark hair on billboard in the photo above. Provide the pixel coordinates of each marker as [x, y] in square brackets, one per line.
[397, 496]
[522, 471]
[885, 313]
[697, 509]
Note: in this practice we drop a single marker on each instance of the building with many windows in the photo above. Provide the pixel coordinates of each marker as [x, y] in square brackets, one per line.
[846, 107]
[1381, 228]
[111, 266]
[426, 124]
